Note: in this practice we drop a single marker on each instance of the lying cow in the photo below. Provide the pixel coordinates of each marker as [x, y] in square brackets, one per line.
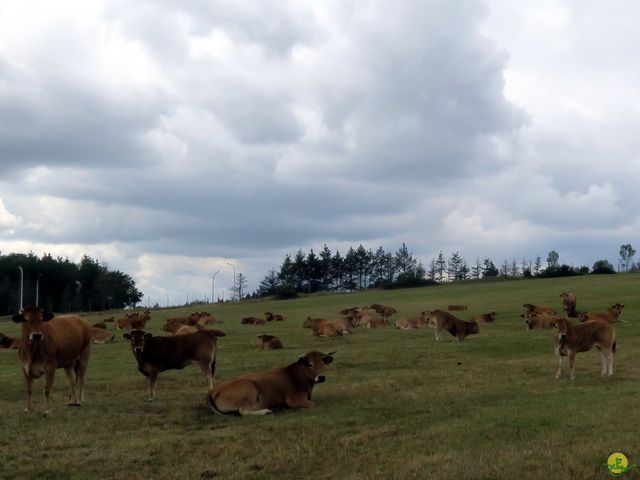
[100, 335]
[269, 342]
[571, 339]
[369, 319]
[9, 342]
[50, 342]
[177, 328]
[260, 393]
[385, 311]
[485, 317]
[157, 354]
[539, 321]
[531, 308]
[408, 323]
[440, 319]
[252, 321]
[569, 302]
[453, 308]
[270, 316]
[327, 328]
[609, 315]
[101, 325]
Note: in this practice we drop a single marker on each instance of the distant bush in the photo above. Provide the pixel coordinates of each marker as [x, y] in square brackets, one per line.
[602, 266]
[286, 292]
[563, 271]
[410, 282]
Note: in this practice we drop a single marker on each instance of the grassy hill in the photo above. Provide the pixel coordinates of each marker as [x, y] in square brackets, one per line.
[396, 404]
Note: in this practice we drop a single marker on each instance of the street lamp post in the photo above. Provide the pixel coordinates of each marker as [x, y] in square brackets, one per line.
[38, 288]
[234, 278]
[213, 286]
[22, 285]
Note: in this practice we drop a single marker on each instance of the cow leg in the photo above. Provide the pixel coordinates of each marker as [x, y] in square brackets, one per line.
[29, 406]
[572, 365]
[300, 401]
[603, 363]
[49, 374]
[208, 369]
[152, 386]
[559, 370]
[437, 332]
[71, 376]
[609, 363]
[83, 363]
[247, 411]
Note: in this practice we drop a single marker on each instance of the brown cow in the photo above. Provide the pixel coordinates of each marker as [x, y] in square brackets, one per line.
[536, 309]
[571, 339]
[48, 343]
[485, 317]
[261, 393]
[369, 319]
[350, 311]
[269, 342]
[440, 319]
[539, 321]
[177, 328]
[326, 328]
[108, 319]
[452, 308]
[270, 316]
[569, 302]
[384, 310]
[206, 318]
[609, 315]
[122, 324]
[101, 325]
[157, 354]
[408, 323]
[100, 335]
[9, 342]
[252, 321]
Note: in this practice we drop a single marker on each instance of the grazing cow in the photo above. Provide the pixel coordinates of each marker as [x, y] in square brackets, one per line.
[539, 321]
[157, 354]
[384, 310]
[440, 319]
[270, 316]
[9, 342]
[571, 339]
[452, 308]
[408, 323]
[261, 393]
[100, 335]
[49, 342]
[535, 309]
[485, 317]
[569, 302]
[101, 325]
[609, 315]
[252, 321]
[269, 342]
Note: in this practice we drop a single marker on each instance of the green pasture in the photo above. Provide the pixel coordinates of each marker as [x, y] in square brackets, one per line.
[396, 404]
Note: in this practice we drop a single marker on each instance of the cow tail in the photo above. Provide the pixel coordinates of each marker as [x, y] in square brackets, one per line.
[212, 403]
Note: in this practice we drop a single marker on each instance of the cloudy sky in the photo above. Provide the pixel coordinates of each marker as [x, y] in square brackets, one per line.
[168, 138]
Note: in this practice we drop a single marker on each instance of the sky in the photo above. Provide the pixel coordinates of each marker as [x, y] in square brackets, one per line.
[170, 139]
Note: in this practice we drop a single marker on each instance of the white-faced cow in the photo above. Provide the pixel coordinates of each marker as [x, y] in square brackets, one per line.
[261, 393]
[50, 342]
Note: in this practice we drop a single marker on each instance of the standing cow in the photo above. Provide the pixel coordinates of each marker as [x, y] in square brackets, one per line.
[50, 342]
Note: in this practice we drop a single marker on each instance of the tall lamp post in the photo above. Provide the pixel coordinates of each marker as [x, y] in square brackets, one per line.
[22, 285]
[213, 286]
[38, 288]
[234, 279]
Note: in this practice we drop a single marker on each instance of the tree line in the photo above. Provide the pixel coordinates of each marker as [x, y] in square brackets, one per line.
[360, 268]
[63, 286]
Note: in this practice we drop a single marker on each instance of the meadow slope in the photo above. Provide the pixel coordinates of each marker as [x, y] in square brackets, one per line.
[396, 404]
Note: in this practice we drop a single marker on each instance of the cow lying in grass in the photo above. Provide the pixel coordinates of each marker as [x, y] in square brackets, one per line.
[539, 321]
[571, 339]
[408, 323]
[261, 393]
[269, 342]
[440, 319]
[609, 315]
[252, 321]
[531, 308]
[328, 328]
[270, 317]
[485, 317]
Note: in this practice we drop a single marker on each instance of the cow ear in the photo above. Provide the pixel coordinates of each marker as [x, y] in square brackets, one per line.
[327, 359]
[47, 316]
[19, 318]
[302, 360]
[127, 336]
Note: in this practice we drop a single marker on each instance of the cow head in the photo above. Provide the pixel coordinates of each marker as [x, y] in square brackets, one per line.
[617, 307]
[475, 328]
[529, 319]
[32, 319]
[561, 325]
[138, 339]
[265, 338]
[313, 364]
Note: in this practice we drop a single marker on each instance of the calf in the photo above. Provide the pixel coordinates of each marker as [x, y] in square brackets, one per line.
[100, 335]
[252, 321]
[609, 315]
[260, 393]
[571, 339]
[539, 321]
[9, 342]
[369, 319]
[440, 319]
[485, 317]
[157, 354]
[270, 316]
[269, 342]
[531, 308]
[569, 302]
[50, 342]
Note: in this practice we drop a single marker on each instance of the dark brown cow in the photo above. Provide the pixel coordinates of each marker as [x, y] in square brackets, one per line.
[157, 354]
[536, 309]
[252, 321]
[269, 342]
[440, 319]
[609, 315]
[270, 316]
[485, 317]
[569, 302]
[9, 342]
[261, 393]
[571, 339]
[50, 342]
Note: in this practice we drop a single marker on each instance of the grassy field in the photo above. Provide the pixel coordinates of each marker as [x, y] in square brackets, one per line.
[396, 404]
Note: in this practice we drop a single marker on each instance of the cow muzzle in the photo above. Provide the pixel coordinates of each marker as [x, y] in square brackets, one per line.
[562, 337]
[137, 349]
[36, 337]
[320, 379]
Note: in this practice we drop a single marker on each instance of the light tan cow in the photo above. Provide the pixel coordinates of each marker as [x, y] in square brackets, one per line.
[100, 335]
[569, 302]
[539, 321]
[485, 317]
[609, 315]
[531, 308]
[408, 323]
[260, 393]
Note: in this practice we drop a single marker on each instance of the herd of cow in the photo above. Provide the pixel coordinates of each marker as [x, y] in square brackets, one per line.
[50, 342]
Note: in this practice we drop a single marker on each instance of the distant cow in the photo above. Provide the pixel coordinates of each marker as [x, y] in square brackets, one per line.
[408, 323]
[108, 319]
[452, 308]
[384, 310]
[326, 328]
[571, 339]
[177, 328]
[157, 354]
[9, 342]
[269, 342]
[270, 316]
[536, 309]
[260, 393]
[485, 317]
[539, 321]
[609, 315]
[440, 319]
[569, 302]
[252, 321]
[101, 325]
[100, 335]
[49, 342]
[368, 318]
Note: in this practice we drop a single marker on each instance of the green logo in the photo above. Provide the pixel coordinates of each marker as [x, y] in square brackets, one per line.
[618, 463]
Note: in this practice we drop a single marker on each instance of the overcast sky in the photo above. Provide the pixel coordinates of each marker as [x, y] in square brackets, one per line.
[168, 138]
